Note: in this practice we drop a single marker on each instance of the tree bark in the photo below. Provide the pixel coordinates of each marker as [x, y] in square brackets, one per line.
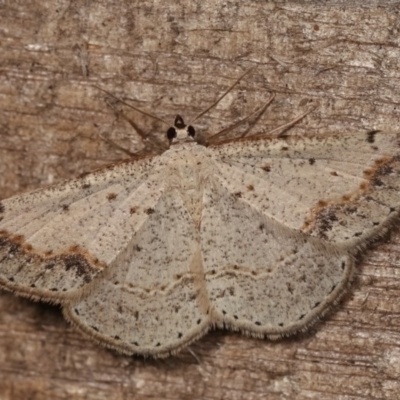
[177, 57]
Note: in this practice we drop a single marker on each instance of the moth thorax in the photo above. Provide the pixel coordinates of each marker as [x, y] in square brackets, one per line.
[186, 176]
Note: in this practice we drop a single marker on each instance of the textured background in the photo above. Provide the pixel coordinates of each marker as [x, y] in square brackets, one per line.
[177, 58]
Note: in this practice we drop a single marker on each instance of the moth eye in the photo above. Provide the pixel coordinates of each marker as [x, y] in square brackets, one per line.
[171, 133]
[191, 131]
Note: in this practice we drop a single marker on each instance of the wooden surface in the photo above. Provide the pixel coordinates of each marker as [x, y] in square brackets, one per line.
[177, 57]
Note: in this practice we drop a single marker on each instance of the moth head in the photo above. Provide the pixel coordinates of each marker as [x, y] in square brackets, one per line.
[180, 132]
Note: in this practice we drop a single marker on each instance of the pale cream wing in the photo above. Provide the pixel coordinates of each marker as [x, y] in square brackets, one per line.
[54, 241]
[262, 277]
[153, 300]
[342, 188]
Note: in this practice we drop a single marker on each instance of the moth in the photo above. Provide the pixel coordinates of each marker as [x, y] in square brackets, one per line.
[257, 234]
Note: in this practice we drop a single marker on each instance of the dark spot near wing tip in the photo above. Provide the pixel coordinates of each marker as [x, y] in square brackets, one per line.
[236, 317]
[95, 328]
[86, 186]
[80, 266]
[2, 208]
[133, 210]
[117, 337]
[224, 312]
[284, 148]
[250, 187]
[258, 323]
[198, 321]
[179, 335]
[54, 289]
[136, 343]
[343, 265]
[261, 227]
[392, 209]
[302, 316]
[375, 223]
[158, 344]
[238, 195]
[65, 207]
[371, 136]
[280, 324]
[111, 196]
[149, 211]
[11, 279]
[76, 311]
[138, 248]
[49, 266]
[311, 161]
[357, 234]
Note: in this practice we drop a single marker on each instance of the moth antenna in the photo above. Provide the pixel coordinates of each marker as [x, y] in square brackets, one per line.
[286, 126]
[116, 145]
[146, 138]
[132, 155]
[131, 106]
[262, 111]
[221, 97]
[235, 125]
